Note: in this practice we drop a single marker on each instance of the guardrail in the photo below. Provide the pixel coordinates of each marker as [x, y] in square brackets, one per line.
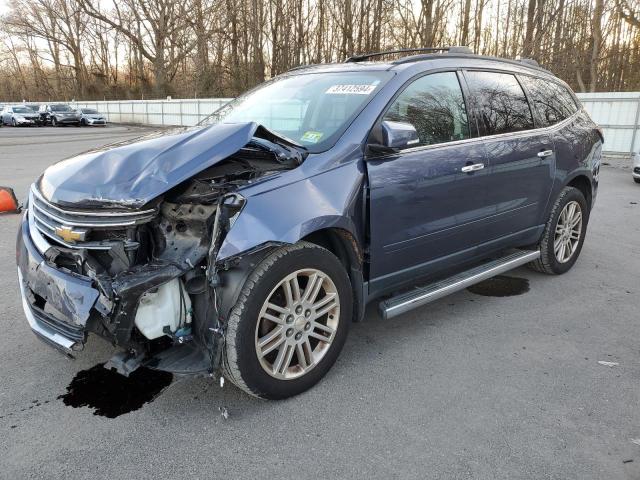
[618, 114]
[185, 112]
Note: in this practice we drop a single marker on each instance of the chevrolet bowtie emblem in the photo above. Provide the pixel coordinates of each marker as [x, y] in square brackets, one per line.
[69, 235]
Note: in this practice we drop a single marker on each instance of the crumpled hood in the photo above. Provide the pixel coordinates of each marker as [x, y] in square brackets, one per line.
[132, 173]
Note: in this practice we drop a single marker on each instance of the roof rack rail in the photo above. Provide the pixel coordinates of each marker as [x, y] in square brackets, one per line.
[366, 56]
[529, 61]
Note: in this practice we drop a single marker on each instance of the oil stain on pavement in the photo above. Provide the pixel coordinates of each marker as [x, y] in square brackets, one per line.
[501, 286]
[111, 394]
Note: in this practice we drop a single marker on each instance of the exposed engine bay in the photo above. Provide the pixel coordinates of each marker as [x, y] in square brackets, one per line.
[155, 268]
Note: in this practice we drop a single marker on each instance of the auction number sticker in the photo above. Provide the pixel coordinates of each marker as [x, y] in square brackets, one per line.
[350, 89]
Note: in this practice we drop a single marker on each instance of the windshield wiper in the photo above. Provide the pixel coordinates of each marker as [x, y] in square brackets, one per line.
[282, 147]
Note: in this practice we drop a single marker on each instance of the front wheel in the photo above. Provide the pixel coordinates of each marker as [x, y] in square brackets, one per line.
[54, 123]
[290, 322]
[564, 233]
[637, 180]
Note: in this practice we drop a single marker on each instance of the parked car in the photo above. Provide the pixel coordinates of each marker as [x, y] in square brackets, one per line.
[90, 116]
[636, 167]
[248, 244]
[19, 115]
[57, 114]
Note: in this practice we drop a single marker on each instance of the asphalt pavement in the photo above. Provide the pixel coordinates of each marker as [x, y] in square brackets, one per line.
[471, 386]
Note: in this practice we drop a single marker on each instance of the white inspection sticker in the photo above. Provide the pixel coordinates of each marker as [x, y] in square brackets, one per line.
[351, 89]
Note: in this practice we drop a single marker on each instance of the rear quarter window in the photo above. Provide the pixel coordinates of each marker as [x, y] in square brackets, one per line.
[500, 102]
[552, 101]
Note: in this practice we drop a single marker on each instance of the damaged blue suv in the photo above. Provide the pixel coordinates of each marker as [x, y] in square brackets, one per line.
[246, 246]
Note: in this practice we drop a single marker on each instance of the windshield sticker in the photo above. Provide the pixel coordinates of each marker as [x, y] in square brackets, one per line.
[311, 136]
[351, 89]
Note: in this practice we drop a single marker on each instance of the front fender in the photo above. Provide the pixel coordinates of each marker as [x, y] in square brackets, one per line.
[288, 213]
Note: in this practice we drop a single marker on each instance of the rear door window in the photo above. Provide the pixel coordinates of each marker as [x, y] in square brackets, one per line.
[552, 102]
[500, 102]
[434, 105]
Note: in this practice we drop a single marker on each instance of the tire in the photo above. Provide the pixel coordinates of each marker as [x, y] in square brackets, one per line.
[247, 326]
[54, 123]
[13, 122]
[83, 123]
[552, 261]
[637, 180]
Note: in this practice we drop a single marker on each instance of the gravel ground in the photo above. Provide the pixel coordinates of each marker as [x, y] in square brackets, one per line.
[468, 387]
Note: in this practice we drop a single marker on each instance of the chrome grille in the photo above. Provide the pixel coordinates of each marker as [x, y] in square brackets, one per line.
[75, 229]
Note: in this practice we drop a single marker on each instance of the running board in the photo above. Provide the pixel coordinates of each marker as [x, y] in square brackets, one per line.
[418, 297]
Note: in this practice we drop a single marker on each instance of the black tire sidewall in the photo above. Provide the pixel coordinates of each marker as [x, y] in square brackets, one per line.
[569, 195]
[253, 375]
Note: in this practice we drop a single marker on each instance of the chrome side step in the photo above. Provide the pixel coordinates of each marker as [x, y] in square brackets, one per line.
[421, 296]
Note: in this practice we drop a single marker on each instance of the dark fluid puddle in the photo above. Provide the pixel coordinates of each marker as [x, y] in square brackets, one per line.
[501, 286]
[111, 394]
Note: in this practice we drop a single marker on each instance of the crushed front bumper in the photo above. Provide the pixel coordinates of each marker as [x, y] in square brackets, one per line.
[57, 304]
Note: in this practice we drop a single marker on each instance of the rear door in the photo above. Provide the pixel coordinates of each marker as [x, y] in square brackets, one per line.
[554, 104]
[520, 155]
[424, 208]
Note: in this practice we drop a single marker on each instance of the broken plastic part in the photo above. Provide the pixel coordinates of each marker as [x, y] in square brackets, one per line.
[124, 363]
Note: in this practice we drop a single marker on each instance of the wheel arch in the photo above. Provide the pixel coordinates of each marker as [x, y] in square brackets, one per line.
[344, 245]
[582, 182]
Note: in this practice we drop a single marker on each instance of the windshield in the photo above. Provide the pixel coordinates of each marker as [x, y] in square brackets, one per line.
[61, 108]
[22, 110]
[312, 109]
[89, 111]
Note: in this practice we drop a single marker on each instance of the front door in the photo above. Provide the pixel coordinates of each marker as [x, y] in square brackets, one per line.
[426, 201]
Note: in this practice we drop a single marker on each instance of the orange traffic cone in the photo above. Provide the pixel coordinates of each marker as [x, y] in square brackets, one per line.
[8, 201]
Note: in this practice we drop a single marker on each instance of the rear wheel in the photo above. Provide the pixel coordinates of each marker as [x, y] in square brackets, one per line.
[637, 180]
[290, 322]
[564, 233]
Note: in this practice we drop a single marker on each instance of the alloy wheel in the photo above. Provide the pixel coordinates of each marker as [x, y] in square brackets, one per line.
[297, 324]
[568, 232]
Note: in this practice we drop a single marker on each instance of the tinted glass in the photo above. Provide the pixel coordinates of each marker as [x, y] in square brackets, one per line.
[22, 110]
[90, 111]
[501, 104]
[552, 102]
[434, 105]
[311, 109]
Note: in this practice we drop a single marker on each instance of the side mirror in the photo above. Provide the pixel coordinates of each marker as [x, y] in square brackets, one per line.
[397, 135]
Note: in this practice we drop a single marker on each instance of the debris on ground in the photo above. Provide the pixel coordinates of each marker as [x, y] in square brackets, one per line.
[608, 364]
[224, 412]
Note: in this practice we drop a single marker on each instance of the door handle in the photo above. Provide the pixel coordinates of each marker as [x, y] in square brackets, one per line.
[472, 168]
[545, 153]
